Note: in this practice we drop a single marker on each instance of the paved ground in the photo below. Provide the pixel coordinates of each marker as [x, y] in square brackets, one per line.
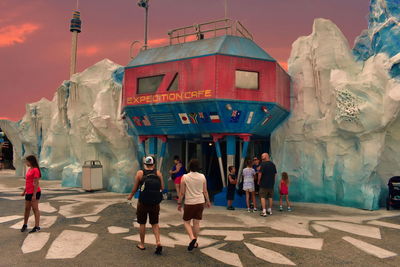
[98, 229]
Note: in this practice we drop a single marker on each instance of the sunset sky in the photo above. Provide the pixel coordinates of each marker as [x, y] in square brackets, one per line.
[35, 39]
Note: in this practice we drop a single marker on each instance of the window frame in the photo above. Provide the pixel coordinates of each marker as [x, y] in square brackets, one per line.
[143, 77]
[252, 71]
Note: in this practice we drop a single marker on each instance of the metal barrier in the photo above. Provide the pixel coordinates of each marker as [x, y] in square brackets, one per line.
[212, 28]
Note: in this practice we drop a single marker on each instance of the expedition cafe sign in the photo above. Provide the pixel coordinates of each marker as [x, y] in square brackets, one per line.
[169, 97]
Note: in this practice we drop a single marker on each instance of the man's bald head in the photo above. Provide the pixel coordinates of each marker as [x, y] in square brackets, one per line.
[265, 156]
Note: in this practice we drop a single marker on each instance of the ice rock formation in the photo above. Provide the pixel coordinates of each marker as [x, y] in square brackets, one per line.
[341, 143]
[82, 122]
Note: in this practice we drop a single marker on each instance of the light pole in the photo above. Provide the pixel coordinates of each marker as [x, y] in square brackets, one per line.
[145, 5]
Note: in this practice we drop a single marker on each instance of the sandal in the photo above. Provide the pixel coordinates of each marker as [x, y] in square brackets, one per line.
[192, 244]
[143, 248]
[158, 250]
[196, 245]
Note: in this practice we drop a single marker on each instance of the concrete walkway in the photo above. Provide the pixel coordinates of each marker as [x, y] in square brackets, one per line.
[99, 229]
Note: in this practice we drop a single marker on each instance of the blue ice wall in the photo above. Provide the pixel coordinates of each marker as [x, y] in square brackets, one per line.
[383, 34]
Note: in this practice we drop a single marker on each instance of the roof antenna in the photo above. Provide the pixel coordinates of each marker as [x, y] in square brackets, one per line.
[226, 9]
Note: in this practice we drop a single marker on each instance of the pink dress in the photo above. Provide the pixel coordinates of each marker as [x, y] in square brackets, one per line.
[284, 188]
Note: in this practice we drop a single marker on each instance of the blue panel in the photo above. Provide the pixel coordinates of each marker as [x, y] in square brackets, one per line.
[222, 45]
[238, 202]
[194, 118]
[153, 146]
[231, 145]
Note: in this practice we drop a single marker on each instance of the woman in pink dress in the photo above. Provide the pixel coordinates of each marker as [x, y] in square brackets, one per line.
[32, 193]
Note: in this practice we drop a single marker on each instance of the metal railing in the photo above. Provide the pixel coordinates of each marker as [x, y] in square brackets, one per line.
[207, 30]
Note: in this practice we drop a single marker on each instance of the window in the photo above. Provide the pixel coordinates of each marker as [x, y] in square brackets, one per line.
[246, 79]
[148, 85]
[174, 84]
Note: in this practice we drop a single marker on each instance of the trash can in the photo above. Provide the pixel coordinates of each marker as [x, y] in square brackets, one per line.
[92, 175]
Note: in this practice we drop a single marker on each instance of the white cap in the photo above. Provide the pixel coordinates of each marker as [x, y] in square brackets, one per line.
[148, 160]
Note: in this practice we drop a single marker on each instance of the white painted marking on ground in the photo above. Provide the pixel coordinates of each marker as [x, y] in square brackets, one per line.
[183, 240]
[268, 255]
[310, 243]
[319, 228]
[35, 242]
[385, 224]
[85, 225]
[291, 225]
[92, 218]
[368, 248]
[117, 230]
[14, 198]
[45, 222]
[10, 218]
[161, 225]
[70, 244]
[231, 235]
[46, 207]
[150, 239]
[352, 228]
[222, 256]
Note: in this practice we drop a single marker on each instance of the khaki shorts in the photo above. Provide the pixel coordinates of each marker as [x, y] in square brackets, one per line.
[266, 192]
[152, 210]
[193, 212]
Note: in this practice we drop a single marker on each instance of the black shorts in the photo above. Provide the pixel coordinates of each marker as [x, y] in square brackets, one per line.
[28, 197]
[230, 193]
[152, 210]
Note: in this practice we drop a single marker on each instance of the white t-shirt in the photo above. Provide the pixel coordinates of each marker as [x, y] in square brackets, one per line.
[194, 182]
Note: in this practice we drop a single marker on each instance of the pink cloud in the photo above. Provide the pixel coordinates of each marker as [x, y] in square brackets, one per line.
[284, 65]
[88, 50]
[16, 34]
[160, 41]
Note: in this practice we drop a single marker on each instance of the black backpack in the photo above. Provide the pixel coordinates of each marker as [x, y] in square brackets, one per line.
[150, 188]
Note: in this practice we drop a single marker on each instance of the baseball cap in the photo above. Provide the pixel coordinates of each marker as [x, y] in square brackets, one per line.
[149, 160]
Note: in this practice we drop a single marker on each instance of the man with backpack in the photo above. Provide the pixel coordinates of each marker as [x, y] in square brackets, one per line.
[149, 182]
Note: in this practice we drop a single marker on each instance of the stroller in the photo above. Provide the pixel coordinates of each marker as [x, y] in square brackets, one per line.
[393, 199]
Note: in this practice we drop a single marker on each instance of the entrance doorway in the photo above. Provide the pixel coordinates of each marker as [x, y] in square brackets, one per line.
[204, 150]
[6, 154]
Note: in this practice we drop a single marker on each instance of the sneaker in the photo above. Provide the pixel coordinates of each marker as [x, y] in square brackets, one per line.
[230, 208]
[35, 229]
[289, 209]
[280, 208]
[269, 212]
[263, 214]
[248, 210]
[255, 209]
[23, 229]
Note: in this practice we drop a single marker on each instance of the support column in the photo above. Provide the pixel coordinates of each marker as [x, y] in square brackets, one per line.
[162, 152]
[141, 150]
[219, 155]
[230, 151]
[153, 146]
[246, 141]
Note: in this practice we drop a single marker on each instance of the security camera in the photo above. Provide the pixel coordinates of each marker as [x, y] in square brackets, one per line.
[143, 3]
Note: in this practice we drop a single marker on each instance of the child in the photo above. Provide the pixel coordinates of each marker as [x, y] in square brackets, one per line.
[230, 194]
[284, 191]
[248, 185]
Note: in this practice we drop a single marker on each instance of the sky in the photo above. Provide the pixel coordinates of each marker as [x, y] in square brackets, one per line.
[35, 40]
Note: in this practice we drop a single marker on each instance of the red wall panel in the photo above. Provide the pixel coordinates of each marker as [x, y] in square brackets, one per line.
[195, 75]
[226, 67]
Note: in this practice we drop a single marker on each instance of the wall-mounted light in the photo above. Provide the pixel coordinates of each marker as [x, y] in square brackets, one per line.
[228, 106]
[265, 109]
